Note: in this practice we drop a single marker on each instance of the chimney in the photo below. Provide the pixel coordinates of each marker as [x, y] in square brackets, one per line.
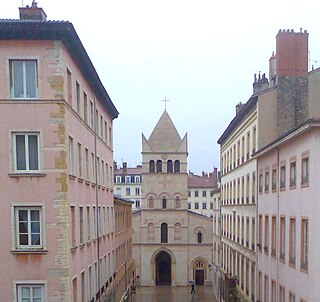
[115, 167]
[292, 79]
[34, 12]
[272, 70]
[124, 167]
[239, 106]
[292, 53]
[260, 84]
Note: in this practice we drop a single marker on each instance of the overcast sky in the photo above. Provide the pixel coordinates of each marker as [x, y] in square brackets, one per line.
[201, 54]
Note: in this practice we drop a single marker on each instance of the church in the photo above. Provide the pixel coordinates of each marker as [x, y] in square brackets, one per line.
[171, 244]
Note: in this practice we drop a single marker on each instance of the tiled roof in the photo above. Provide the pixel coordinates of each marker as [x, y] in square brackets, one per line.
[196, 181]
[65, 32]
[129, 171]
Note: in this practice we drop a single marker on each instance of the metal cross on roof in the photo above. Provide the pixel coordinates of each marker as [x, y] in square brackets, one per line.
[165, 102]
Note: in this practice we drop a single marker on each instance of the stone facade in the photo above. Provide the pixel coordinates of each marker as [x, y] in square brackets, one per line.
[171, 245]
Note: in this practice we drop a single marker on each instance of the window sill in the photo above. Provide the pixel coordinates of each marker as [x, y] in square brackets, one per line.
[305, 185]
[87, 182]
[26, 251]
[81, 246]
[26, 174]
[80, 179]
[73, 177]
[74, 248]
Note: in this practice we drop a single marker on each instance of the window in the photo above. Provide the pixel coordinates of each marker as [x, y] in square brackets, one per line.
[164, 233]
[128, 191]
[151, 202]
[91, 114]
[189, 205]
[305, 171]
[151, 166]
[159, 166]
[204, 205]
[196, 205]
[196, 193]
[293, 174]
[211, 205]
[292, 241]
[169, 166]
[26, 152]
[178, 202]
[85, 107]
[71, 156]
[273, 291]
[199, 237]
[137, 191]
[304, 244]
[177, 166]
[78, 97]
[164, 202]
[86, 154]
[79, 160]
[274, 180]
[204, 193]
[266, 234]
[189, 193]
[81, 222]
[292, 297]
[73, 227]
[283, 177]
[266, 181]
[260, 232]
[282, 237]
[30, 292]
[23, 79]
[266, 288]
[137, 203]
[282, 297]
[28, 228]
[260, 182]
[273, 235]
[88, 224]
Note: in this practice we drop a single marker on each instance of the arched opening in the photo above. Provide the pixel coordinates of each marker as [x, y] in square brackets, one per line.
[163, 268]
[169, 166]
[164, 202]
[177, 166]
[159, 166]
[199, 237]
[178, 203]
[151, 203]
[199, 272]
[164, 233]
[151, 166]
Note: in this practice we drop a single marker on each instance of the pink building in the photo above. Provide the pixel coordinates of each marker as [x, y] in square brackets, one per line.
[56, 174]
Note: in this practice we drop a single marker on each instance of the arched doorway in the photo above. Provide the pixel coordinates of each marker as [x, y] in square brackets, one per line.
[199, 272]
[163, 269]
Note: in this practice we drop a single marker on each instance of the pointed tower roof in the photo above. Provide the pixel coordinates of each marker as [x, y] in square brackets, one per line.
[165, 137]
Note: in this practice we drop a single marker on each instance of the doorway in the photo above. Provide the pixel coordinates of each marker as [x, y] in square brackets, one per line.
[163, 269]
[199, 276]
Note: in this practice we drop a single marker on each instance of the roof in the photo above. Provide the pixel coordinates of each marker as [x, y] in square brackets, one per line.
[251, 103]
[121, 200]
[165, 137]
[129, 171]
[65, 32]
[196, 181]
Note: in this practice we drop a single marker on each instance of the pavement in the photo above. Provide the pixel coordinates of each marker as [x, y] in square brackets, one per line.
[173, 294]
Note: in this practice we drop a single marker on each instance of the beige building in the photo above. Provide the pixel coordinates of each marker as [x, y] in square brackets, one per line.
[202, 192]
[171, 245]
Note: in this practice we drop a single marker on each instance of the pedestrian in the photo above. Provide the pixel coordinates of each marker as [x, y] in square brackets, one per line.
[192, 288]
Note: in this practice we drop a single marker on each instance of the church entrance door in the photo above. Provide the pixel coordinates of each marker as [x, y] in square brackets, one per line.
[199, 277]
[163, 269]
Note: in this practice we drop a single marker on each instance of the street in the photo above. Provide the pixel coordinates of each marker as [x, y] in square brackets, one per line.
[173, 294]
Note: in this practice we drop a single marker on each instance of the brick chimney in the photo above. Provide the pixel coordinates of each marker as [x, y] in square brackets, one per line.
[124, 165]
[292, 78]
[32, 13]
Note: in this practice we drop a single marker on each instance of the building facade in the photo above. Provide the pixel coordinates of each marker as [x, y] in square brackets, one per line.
[57, 166]
[171, 245]
[202, 192]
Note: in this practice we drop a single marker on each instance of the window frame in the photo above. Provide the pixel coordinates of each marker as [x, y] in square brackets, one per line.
[29, 283]
[26, 134]
[24, 84]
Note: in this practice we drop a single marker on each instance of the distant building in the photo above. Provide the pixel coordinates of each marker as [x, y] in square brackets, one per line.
[127, 183]
[58, 240]
[171, 244]
[201, 192]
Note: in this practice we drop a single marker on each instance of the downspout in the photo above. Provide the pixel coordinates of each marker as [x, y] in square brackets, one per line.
[278, 214]
[97, 196]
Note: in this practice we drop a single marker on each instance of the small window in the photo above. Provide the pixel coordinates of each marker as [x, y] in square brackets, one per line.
[128, 179]
[196, 193]
[164, 233]
[164, 202]
[128, 191]
[118, 179]
[204, 193]
[196, 205]
[28, 226]
[159, 166]
[199, 237]
[293, 174]
[189, 205]
[169, 166]
[151, 166]
[137, 191]
[204, 205]
[23, 79]
[305, 171]
[178, 202]
[177, 166]
[189, 193]
[30, 293]
[151, 203]
[283, 177]
[26, 152]
[137, 203]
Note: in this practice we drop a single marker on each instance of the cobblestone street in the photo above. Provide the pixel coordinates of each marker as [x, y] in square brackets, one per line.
[173, 294]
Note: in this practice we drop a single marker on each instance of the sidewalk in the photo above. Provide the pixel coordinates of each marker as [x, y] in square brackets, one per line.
[173, 294]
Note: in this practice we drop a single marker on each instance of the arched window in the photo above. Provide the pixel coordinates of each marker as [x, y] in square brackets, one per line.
[151, 166]
[178, 203]
[199, 237]
[169, 166]
[159, 166]
[151, 203]
[164, 202]
[177, 166]
[164, 233]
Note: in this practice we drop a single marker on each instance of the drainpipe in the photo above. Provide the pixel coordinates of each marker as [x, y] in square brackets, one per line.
[97, 195]
[278, 214]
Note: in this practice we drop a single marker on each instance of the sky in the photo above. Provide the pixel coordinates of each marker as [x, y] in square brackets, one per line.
[201, 55]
